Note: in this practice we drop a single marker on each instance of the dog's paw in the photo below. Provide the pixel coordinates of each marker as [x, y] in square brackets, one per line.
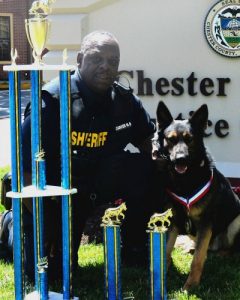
[189, 284]
[192, 281]
[169, 262]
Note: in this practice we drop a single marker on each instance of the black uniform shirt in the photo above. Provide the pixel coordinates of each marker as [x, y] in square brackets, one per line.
[102, 125]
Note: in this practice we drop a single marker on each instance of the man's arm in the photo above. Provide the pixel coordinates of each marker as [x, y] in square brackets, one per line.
[146, 146]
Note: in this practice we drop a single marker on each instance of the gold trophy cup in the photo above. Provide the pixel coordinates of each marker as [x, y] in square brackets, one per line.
[37, 30]
[38, 27]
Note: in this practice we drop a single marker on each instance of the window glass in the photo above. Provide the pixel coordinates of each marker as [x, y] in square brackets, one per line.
[5, 38]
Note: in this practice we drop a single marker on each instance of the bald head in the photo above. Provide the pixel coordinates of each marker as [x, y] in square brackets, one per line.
[97, 38]
[98, 60]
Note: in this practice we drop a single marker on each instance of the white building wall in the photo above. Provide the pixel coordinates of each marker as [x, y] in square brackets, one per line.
[164, 39]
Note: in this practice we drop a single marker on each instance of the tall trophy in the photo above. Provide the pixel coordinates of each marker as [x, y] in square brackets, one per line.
[37, 27]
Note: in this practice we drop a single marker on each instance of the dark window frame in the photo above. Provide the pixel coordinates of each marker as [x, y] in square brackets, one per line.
[5, 52]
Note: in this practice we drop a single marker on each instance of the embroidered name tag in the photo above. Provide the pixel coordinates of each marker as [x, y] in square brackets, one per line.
[123, 126]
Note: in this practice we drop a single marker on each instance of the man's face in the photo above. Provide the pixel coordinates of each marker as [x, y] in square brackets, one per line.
[99, 65]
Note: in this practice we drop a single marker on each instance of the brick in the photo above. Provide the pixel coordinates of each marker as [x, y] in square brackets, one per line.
[19, 9]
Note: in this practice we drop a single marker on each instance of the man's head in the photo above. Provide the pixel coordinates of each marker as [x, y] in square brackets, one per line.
[98, 60]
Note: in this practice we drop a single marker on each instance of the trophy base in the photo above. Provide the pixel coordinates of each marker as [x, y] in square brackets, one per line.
[51, 296]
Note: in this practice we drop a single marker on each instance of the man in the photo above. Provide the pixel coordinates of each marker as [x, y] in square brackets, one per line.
[105, 118]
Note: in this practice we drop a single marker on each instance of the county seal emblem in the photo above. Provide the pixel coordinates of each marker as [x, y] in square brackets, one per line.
[222, 28]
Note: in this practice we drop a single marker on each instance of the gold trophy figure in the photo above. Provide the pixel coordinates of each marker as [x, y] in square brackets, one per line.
[37, 27]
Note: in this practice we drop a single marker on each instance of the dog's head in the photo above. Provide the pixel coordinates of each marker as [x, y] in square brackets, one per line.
[181, 141]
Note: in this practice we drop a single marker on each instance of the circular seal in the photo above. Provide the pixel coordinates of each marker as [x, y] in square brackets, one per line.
[222, 28]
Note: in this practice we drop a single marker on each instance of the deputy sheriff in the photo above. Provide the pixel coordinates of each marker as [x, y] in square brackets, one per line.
[106, 117]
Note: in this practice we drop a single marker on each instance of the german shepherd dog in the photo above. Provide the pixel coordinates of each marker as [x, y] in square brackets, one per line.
[201, 198]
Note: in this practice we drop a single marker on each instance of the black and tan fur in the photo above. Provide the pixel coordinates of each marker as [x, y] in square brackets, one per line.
[215, 219]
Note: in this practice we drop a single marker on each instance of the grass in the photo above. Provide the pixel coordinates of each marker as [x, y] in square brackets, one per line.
[6, 281]
[220, 280]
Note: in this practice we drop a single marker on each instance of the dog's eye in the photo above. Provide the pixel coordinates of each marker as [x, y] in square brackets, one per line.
[188, 139]
[172, 140]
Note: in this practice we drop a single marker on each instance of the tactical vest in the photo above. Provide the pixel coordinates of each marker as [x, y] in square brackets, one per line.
[100, 133]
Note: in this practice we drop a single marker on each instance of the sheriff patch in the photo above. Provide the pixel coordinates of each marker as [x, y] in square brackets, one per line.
[89, 139]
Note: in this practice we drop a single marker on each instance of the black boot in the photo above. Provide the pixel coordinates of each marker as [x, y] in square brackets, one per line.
[6, 236]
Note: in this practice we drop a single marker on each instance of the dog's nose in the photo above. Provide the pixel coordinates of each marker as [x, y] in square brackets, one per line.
[180, 156]
[180, 159]
[181, 150]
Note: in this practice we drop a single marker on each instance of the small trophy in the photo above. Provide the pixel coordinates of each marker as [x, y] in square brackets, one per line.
[158, 227]
[37, 27]
[111, 222]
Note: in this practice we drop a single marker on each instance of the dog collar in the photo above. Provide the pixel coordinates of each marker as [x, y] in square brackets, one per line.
[188, 202]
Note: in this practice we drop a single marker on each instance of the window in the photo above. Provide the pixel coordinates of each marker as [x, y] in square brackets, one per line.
[5, 37]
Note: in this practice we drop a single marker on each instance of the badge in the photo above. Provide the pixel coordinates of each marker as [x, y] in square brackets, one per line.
[222, 28]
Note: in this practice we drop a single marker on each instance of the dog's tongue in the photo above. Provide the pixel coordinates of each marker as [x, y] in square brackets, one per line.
[180, 168]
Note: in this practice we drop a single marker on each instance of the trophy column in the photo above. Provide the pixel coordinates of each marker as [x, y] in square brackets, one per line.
[157, 244]
[17, 179]
[65, 125]
[111, 222]
[37, 152]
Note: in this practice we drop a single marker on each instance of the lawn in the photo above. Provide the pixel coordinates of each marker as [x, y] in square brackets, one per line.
[220, 280]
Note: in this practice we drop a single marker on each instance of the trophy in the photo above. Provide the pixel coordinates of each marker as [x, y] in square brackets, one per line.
[37, 27]
[158, 227]
[111, 222]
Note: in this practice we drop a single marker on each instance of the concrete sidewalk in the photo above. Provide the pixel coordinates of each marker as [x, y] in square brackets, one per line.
[5, 145]
[4, 102]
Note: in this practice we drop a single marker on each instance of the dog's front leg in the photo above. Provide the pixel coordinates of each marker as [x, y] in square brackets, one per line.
[203, 238]
[172, 236]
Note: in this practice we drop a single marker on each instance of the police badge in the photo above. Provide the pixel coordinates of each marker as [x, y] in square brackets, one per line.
[222, 28]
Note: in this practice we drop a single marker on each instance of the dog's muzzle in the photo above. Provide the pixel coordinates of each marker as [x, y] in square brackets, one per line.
[181, 165]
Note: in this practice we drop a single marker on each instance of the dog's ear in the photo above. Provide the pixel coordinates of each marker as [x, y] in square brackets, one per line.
[164, 117]
[199, 119]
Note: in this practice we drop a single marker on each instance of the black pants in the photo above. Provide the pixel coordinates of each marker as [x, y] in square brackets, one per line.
[126, 176]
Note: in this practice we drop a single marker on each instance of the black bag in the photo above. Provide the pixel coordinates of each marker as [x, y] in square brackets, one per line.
[6, 236]
[6, 186]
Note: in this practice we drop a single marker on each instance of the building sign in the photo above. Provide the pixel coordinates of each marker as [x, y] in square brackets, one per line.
[161, 65]
[222, 28]
[178, 86]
